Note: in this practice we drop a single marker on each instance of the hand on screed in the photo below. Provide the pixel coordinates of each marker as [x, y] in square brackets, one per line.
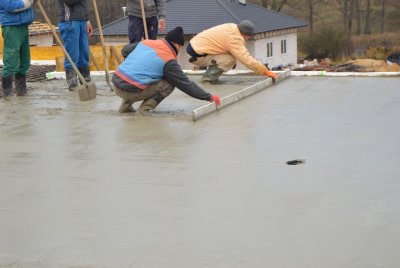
[216, 99]
[271, 74]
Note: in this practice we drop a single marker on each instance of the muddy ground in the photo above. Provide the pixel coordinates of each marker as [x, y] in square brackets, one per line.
[83, 186]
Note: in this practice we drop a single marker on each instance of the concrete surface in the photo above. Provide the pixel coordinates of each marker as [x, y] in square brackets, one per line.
[83, 186]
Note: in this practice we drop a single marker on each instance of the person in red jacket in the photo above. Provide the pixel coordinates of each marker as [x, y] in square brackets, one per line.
[150, 72]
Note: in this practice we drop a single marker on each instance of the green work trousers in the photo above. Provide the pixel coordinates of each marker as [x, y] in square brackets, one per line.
[16, 53]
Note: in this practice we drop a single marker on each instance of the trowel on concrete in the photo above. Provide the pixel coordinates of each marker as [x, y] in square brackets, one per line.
[87, 90]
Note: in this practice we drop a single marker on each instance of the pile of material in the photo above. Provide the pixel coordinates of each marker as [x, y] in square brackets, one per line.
[360, 65]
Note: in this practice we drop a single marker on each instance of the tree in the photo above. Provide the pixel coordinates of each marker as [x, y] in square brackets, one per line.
[382, 15]
[368, 18]
[276, 5]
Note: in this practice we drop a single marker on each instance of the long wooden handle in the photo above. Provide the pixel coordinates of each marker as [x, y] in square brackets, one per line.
[60, 43]
[146, 35]
[106, 67]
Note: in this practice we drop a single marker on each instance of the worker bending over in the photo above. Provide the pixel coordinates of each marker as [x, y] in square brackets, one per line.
[219, 47]
[150, 72]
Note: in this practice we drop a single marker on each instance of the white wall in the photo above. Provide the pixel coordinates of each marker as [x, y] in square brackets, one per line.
[41, 40]
[260, 50]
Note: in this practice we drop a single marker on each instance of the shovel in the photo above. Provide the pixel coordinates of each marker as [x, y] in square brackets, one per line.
[87, 90]
[106, 67]
[146, 35]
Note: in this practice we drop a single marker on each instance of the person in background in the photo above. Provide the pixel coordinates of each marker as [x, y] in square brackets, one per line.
[15, 17]
[150, 72]
[219, 47]
[75, 28]
[155, 19]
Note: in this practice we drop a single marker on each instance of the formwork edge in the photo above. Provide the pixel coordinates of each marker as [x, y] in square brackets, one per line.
[243, 93]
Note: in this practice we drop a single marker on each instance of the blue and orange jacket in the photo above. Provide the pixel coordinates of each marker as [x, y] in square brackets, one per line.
[150, 61]
[145, 65]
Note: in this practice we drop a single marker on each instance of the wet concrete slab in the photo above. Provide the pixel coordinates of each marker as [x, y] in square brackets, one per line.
[83, 186]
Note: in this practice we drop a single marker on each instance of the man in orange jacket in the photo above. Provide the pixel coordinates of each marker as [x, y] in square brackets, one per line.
[219, 47]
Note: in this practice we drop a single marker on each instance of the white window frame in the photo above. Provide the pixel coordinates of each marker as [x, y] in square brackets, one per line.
[270, 49]
[283, 46]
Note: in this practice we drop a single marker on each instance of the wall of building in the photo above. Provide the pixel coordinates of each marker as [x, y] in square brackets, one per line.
[45, 40]
[278, 58]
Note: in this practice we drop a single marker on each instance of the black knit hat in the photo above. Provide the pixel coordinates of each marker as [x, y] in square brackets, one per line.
[176, 36]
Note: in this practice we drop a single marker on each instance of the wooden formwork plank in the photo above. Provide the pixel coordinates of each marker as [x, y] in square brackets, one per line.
[93, 59]
[116, 56]
[230, 99]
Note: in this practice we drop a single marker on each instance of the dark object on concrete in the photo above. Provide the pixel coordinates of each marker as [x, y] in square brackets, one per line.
[394, 58]
[296, 162]
[6, 83]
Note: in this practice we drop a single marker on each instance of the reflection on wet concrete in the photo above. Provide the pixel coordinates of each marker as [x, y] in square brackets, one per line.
[83, 186]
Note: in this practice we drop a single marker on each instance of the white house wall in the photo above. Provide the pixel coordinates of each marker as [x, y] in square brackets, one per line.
[290, 57]
[41, 40]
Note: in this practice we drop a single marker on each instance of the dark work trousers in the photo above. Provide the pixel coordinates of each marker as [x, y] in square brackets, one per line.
[136, 29]
[16, 53]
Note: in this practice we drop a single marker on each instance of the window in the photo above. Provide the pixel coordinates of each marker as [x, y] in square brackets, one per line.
[283, 46]
[269, 50]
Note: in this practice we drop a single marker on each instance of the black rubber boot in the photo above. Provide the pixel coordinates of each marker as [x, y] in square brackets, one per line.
[85, 73]
[20, 84]
[72, 79]
[6, 83]
[212, 74]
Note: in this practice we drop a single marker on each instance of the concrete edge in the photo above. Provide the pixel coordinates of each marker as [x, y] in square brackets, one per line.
[342, 74]
[61, 75]
[243, 93]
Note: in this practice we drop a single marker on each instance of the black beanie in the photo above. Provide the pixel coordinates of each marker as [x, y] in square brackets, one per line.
[176, 36]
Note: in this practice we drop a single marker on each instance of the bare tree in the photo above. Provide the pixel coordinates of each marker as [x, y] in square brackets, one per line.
[358, 16]
[382, 15]
[276, 5]
[368, 18]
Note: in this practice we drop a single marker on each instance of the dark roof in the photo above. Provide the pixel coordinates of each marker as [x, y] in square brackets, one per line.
[196, 16]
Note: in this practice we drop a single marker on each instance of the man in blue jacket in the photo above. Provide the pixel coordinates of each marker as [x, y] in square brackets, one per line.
[75, 28]
[15, 16]
[150, 72]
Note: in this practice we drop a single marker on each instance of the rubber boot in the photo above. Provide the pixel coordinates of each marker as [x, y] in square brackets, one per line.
[212, 74]
[147, 105]
[126, 107]
[20, 84]
[85, 71]
[72, 79]
[6, 83]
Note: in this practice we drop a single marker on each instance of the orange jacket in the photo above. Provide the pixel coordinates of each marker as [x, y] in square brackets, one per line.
[226, 39]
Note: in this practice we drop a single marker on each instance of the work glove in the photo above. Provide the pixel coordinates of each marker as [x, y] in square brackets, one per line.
[27, 5]
[216, 99]
[272, 75]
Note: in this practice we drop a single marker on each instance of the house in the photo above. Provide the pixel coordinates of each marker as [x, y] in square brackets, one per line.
[40, 34]
[274, 42]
